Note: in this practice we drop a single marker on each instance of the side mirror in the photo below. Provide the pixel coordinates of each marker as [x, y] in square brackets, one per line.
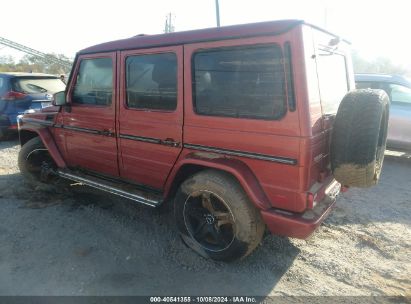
[59, 99]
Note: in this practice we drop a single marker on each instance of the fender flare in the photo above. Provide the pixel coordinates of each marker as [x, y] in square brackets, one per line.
[49, 143]
[238, 169]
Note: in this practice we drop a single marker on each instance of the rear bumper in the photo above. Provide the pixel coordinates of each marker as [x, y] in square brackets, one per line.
[298, 225]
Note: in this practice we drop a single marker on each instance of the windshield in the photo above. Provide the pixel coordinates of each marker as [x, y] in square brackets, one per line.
[38, 85]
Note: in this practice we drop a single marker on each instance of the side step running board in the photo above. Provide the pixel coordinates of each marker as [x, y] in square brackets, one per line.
[114, 188]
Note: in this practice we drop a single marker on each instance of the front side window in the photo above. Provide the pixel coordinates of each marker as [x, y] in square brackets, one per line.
[240, 82]
[94, 82]
[151, 82]
[332, 77]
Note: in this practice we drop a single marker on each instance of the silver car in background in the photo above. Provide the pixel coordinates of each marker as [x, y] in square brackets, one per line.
[399, 90]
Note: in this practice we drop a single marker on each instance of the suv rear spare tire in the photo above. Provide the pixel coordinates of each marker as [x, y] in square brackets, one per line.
[359, 138]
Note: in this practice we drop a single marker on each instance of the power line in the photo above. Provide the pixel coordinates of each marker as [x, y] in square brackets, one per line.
[43, 56]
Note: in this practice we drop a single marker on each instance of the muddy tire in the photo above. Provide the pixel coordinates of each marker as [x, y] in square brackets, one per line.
[359, 138]
[32, 156]
[215, 217]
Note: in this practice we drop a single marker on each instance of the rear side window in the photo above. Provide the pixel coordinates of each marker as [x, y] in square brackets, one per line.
[240, 82]
[38, 85]
[400, 94]
[151, 82]
[94, 82]
[332, 76]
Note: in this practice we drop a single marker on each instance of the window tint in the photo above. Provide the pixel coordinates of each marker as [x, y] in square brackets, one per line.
[332, 75]
[400, 94]
[38, 85]
[151, 81]
[94, 82]
[239, 82]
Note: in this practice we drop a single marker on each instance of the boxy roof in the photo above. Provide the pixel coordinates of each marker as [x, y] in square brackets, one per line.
[209, 34]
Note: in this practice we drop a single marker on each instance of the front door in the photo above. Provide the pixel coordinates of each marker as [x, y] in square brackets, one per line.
[89, 122]
[150, 114]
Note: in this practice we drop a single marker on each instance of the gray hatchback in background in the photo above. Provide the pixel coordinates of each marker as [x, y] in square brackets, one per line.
[399, 90]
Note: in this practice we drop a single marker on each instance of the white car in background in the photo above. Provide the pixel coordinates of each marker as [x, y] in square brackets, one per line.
[399, 90]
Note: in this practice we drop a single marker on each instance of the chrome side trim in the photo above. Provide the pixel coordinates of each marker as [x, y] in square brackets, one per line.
[38, 121]
[85, 130]
[141, 138]
[277, 159]
[110, 189]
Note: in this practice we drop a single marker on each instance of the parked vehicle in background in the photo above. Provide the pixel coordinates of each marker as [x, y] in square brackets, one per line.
[237, 127]
[399, 90]
[23, 91]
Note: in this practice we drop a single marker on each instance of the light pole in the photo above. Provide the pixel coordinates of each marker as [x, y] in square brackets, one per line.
[217, 12]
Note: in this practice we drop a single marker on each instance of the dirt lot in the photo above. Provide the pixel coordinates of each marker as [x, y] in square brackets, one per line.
[70, 240]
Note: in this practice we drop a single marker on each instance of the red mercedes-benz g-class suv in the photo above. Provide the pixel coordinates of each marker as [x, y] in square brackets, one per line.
[242, 128]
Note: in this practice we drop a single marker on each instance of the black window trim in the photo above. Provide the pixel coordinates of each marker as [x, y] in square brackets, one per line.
[289, 75]
[237, 47]
[125, 101]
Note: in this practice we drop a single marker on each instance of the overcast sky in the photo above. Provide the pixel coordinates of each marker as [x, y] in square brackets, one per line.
[376, 28]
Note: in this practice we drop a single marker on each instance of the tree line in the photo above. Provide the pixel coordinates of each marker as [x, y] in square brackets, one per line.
[35, 64]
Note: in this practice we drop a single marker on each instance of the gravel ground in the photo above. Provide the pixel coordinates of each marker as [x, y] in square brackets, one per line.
[72, 240]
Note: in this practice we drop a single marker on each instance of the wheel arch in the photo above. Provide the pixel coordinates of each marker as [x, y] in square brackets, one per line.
[236, 169]
[26, 134]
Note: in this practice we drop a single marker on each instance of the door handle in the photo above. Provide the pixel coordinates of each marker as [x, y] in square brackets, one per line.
[106, 132]
[170, 142]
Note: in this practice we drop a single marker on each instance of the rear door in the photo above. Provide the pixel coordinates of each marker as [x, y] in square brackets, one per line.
[150, 114]
[89, 123]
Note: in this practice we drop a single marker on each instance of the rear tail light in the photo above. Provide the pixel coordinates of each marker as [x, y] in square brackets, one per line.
[13, 96]
[311, 200]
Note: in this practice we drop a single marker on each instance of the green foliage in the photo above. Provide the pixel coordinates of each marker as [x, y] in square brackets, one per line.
[29, 63]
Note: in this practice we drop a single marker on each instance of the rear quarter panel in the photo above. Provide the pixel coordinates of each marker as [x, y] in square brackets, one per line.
[280, 182]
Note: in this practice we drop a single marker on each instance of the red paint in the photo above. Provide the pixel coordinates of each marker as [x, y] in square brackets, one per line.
[230, 165]
[46, 137]
[294, 225]
[144, 162]
[302, 135]
[86, 150]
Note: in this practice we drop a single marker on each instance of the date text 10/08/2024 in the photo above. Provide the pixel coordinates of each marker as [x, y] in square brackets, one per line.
[209, 299]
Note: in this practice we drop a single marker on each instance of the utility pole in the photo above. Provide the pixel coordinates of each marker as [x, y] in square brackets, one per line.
[217, 12]
[169, 27]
